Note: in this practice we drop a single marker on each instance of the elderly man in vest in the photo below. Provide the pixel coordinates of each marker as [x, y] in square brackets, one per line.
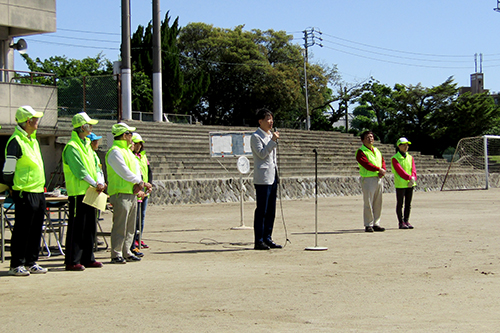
[372, 170]
[124, 182]
[81, 172]
[25, 175]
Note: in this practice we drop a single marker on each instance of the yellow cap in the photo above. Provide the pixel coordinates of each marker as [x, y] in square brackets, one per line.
[120, 128]
[27, 112]
[81, 119]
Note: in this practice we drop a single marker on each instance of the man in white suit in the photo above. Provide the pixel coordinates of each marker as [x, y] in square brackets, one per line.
[265, 178]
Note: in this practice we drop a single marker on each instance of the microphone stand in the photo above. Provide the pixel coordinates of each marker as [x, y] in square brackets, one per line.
[316, 247]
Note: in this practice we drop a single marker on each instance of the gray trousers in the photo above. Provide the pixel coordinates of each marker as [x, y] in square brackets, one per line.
[124, 216]
[372, 187]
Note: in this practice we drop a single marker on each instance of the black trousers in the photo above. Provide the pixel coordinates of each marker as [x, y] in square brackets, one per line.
[81, 233]
[27, 233]
[265, 212]
[403, 195]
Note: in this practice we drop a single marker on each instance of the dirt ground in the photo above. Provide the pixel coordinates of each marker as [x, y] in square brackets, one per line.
[201, 276]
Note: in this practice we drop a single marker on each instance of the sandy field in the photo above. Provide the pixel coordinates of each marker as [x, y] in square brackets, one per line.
[201, 276]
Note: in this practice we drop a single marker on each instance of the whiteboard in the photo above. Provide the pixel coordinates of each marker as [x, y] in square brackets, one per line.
[230, 144]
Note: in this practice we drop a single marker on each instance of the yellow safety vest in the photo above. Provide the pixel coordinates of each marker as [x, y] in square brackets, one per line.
[407, 165]
[117, 184]
[29, 175]
[74, 185]
[374, 157]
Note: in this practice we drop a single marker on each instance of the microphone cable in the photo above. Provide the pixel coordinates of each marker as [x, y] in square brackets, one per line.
[280, 184]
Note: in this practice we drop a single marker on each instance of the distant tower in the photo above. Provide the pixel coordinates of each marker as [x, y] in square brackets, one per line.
[477, 79]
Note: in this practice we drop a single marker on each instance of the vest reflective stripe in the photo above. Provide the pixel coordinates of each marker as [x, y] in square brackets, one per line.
[29, 175]
[74, 185]
[143, 163]
[407, 165]
[374, 157]
[117, 184]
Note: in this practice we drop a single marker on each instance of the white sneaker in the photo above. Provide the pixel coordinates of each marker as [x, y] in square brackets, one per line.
[19, 271]
[35, 269]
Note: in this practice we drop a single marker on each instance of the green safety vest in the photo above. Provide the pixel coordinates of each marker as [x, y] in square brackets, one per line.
[74, 185]
[29, 175]
[143, 163]
[117, 184]
[407, 165]
[374, 157]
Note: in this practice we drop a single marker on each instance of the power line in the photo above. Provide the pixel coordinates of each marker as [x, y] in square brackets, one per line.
[87, 39]
[75, 45]
[91, 32]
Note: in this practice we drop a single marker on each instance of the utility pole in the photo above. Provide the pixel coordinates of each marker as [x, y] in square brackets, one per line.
[157, 80]
[310, 39]
[126, 76]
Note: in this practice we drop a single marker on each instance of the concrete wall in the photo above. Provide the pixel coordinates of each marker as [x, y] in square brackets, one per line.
[41, 98]
[173, 192]
[28, 17]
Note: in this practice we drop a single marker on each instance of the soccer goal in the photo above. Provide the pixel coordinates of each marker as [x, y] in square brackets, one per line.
[475, 164]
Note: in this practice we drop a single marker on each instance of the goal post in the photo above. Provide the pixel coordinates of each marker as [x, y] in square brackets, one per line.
[473, 164]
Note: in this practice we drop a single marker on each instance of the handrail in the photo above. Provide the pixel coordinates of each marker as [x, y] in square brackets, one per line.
[4, 75]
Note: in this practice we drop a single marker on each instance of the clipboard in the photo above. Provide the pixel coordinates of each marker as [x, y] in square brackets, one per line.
[94, 199]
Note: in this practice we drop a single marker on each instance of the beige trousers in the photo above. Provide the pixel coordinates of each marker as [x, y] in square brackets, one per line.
[372, 187]
[123, 229]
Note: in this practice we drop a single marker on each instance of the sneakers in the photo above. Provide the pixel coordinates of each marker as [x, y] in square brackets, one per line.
[36, 269]
[408, 225]
[118, 260]
[368, 229]
[19, 271]
[137, 253]
[403, 226]
[133, 258]
[144, 245]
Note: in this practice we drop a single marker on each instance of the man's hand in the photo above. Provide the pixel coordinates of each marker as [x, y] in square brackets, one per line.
[148, 187]
[101, 187]
[141, 195]
[276, 136]
[138, 187]
[381, 173]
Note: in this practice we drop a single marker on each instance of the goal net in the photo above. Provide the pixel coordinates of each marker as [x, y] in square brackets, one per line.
[475, 164]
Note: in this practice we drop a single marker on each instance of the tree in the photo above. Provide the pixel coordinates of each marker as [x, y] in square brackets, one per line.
[180, 93]
[72, 75]
[249, 70]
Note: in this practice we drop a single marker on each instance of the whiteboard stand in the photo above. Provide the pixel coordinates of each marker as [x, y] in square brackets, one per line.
[243, 166]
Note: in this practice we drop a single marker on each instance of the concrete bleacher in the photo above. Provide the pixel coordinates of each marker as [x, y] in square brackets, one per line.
[179, 152]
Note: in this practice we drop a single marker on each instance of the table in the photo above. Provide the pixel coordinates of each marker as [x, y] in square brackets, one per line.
[48, 223]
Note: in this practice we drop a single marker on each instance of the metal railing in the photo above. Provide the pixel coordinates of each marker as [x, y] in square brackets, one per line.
[14, 76]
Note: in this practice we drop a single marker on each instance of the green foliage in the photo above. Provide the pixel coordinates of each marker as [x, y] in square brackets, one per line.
[249, 70]
[181, 92]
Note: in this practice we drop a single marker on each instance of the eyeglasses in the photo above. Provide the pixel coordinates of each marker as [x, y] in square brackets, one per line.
[128, 133]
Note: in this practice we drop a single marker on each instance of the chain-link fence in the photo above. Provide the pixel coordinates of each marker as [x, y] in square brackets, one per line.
[96, 95]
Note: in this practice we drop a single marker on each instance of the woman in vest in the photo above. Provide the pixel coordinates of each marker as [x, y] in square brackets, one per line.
[142, 199]
[405, 176]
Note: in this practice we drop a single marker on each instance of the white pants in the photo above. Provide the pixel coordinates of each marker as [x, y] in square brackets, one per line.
[372, 187]
[124, 218]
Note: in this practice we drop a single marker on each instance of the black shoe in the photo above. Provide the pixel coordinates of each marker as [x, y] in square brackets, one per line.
[378, 228]
[368, 229]
[133, 258]
[261, 246]
[273, 245]
[403, 226]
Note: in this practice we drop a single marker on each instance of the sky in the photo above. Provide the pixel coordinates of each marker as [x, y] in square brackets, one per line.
[393, 41]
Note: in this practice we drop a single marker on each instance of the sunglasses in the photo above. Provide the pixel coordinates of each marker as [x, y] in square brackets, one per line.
[127, 133]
